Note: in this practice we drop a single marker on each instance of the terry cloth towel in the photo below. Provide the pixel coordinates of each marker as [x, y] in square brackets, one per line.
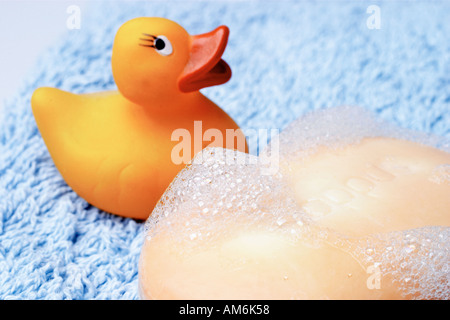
[288, 58]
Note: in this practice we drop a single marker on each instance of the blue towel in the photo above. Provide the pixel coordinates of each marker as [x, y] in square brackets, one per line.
[288, 58]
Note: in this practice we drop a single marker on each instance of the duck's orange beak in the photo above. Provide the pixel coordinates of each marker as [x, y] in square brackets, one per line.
[205, 67]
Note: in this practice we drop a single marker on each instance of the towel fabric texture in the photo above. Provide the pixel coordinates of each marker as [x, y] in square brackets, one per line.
[287, 57]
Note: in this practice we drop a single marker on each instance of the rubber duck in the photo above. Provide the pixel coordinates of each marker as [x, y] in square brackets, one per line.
[115, 148]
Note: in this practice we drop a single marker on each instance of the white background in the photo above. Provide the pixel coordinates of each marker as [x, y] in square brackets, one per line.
[27, 28]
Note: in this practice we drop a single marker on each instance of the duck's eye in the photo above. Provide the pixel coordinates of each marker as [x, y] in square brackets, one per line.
[163, 45]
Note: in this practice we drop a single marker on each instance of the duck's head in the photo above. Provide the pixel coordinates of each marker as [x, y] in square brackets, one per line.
[154, 58]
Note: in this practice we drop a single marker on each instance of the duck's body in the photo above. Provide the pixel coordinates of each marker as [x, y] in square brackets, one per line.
[116, 153]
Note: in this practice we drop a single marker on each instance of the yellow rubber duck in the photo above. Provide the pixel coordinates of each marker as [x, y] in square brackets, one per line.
[114, 148]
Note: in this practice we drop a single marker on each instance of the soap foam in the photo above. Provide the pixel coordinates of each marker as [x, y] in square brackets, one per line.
[220, 186]
[417, 260]
[338, 127]
[212, 193]
[441, 174]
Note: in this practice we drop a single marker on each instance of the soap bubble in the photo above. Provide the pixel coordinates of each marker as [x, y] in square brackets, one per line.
[236, 191]
[417, 260]
[341, 126]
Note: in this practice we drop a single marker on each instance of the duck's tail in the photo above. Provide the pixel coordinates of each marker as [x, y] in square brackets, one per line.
[52, 106]
[43, 100]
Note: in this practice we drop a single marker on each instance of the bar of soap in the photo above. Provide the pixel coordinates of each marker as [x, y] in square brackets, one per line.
[357, 210]
[377, 185]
